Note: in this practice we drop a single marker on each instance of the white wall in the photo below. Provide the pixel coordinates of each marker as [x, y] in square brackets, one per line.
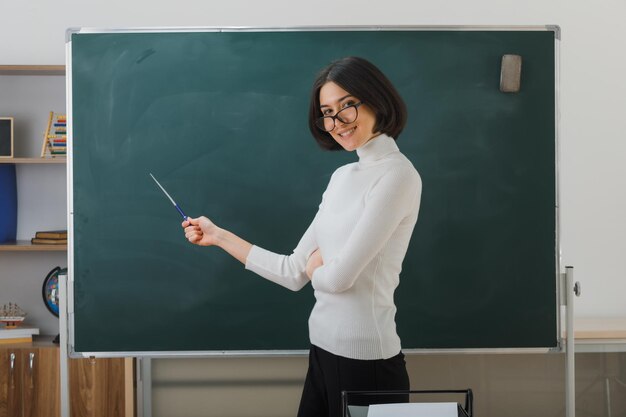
[593, 99]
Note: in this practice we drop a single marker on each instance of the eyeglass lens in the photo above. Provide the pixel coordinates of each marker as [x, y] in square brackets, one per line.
[347, 115]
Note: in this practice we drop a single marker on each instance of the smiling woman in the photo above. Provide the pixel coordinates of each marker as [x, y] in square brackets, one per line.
[356, 86]
[352, 252]
[344, 127]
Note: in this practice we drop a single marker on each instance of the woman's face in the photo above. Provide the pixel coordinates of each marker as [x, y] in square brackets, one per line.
[349, 135]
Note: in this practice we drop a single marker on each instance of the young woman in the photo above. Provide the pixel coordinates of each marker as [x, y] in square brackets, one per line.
[353, 250]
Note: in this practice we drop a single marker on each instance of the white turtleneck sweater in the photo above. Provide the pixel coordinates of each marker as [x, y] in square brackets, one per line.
[362, 228]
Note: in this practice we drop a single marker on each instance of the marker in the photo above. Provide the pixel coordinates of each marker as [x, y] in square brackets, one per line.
[171, 199]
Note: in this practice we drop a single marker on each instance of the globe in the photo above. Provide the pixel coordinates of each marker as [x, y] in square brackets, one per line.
[50, 290]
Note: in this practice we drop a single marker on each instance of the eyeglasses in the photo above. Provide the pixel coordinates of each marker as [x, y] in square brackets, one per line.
[346, 115]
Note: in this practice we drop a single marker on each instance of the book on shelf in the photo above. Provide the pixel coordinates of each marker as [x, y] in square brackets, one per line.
[51, 234]
[17, 335]
[39, 241]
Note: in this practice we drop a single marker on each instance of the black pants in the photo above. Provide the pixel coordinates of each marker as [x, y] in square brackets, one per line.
[330, 374]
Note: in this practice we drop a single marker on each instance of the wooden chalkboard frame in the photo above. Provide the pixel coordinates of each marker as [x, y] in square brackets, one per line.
[7, 140]
[70, 323]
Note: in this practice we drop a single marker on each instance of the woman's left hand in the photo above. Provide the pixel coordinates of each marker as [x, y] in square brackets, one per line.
[314, 262]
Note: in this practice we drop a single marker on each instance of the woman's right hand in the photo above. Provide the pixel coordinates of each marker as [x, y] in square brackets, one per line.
[314, 262]
[201, 231]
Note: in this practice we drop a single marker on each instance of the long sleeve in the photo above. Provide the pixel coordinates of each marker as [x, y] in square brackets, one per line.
[285, 270]
[389, 201]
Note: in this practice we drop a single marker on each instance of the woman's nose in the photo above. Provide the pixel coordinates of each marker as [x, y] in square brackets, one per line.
[339, 122]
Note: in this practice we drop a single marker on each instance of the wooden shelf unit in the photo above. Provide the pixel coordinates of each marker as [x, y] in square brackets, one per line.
[58, 160]
[26, 246]
[20, 70]
[32, 69]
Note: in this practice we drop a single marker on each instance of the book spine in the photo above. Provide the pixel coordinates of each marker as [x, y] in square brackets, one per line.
[48, 241]
[16, 340]
[51, 234]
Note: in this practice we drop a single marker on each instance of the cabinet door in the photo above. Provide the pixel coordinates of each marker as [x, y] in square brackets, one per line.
[40, 382]
[97, 387]
[10, 383]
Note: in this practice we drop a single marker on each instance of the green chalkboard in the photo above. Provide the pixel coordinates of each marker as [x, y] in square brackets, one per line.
[220, 118]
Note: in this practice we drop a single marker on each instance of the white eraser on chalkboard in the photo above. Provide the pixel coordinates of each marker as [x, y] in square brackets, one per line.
[511, 73]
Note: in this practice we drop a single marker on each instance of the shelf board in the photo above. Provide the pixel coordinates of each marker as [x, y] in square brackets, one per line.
[32, 69]
[26, 246]
[58, 160]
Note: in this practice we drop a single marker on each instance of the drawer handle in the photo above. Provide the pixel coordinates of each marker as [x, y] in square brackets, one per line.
[31, 364]
[12, 371]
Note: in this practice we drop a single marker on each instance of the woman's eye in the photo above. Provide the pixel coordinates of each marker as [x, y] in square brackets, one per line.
[348, 103]
[327, 112]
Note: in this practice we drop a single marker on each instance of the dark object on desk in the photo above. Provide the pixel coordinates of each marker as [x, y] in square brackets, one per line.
[463, 411]
[481, 269]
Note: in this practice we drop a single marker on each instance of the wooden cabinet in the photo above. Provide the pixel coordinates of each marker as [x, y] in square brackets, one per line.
[40, 370]
[100, 388]
[10, 384]
[30, 384]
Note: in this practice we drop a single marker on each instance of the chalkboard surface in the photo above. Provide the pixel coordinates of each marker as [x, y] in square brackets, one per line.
[6, 137]
[220, 118]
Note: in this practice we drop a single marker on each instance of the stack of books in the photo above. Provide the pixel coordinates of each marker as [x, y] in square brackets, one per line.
[17, 334]
[50, 237]
[55, 138]
[11, 317]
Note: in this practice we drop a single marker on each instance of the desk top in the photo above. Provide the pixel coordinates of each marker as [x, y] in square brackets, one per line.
[600, 335]
[600, 329]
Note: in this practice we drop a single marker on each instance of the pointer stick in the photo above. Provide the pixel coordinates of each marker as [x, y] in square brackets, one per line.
[171, 199]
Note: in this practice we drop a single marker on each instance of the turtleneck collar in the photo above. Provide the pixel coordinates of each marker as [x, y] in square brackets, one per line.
[377, 148]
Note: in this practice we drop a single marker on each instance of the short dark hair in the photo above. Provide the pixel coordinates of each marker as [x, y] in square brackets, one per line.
[365, 81]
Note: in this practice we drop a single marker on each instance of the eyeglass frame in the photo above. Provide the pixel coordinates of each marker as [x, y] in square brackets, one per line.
[336, 116]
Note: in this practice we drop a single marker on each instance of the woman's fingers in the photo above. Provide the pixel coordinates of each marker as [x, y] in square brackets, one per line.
[198, 230]
[194, 237]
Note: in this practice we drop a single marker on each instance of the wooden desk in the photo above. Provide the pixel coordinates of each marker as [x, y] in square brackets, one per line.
[600, 335]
